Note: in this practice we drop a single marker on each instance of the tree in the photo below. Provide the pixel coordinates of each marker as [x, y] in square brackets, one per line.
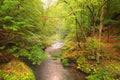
[100, 29]
[21, 27]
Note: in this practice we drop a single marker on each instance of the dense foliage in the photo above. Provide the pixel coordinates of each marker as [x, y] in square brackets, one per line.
[110, 72]
[16, 70]
[21, 29]
[89, 28]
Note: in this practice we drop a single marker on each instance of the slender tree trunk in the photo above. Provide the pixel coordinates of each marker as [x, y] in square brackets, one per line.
[108, 36]
[94, 25]
[77, 36]
[77, 21]
[100, 32]
[93, 20]
[107, 15]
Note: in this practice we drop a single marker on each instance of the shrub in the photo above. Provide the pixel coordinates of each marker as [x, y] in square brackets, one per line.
[91, 47]
[56, 55]
[111, 72]
[85, 66]
[65, 62]
[16, 70]
[34, 54]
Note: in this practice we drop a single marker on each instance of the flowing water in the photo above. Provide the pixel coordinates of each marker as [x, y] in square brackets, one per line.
[52, 69]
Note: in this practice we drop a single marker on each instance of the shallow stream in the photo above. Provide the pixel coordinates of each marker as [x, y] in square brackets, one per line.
[52, 69]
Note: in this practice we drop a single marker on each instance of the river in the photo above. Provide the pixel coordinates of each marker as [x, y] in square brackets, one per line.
[52, 69]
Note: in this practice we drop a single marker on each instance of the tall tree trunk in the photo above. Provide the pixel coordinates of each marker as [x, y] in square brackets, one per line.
[108, 17]
[108, 36]
[94, 25]
[100, 32]
[77, 36]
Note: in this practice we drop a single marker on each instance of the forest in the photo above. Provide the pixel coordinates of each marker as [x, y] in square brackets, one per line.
[89, 30]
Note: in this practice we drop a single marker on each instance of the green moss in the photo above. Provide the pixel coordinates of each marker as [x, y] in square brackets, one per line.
[65, 62]
[56, 55]
[16, 70]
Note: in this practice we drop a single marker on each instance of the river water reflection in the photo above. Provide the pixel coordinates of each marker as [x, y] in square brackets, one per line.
[52, 69]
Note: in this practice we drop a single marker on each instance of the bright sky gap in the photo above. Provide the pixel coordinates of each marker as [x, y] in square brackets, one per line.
[48, 3]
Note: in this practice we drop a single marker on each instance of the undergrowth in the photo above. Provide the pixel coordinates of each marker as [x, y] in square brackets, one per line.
[16, 70]
[85, 60]
[111, 72]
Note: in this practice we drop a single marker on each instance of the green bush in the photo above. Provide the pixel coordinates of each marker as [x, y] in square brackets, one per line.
[85, 66]
[91, 48]
[34, 54]
[65, 62]
[56, 55]
[16, 70]
[111, 72]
